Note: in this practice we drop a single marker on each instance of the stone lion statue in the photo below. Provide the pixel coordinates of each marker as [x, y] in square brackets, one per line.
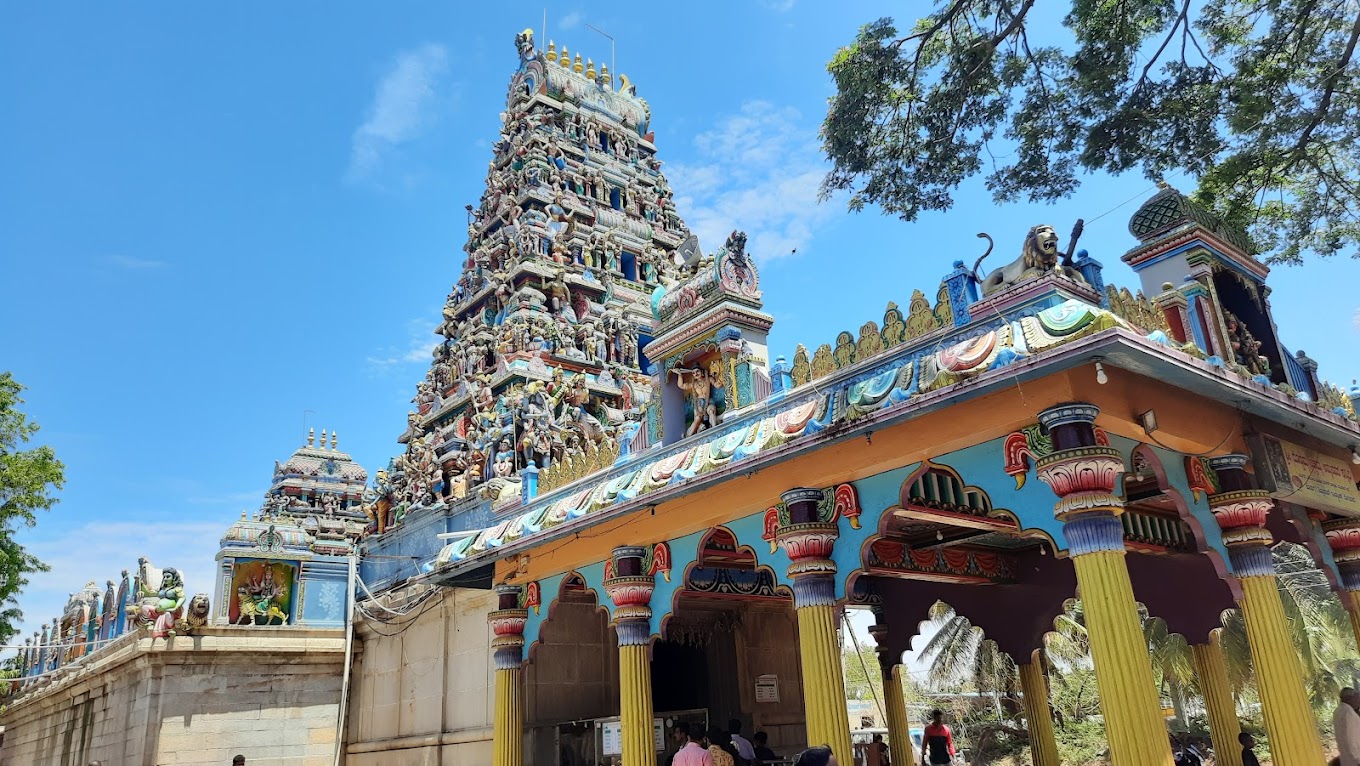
[1038, 256]
[198, 615]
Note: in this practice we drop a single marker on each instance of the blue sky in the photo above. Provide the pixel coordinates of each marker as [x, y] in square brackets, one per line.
[213, 220]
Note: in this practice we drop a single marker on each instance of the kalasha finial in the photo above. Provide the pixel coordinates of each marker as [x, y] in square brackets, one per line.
[552, 52]
[1162, 184]
[334, 440]
[311, 437]
[590, 69]
[323, 438]
[565, 60]
[576, 65]
[604, 74]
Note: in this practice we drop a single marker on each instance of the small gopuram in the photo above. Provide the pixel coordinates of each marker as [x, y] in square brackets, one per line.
[289, 563]
[145, 673]
[572, 554]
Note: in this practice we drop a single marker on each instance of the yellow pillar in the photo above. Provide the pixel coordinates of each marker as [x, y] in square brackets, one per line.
[1279, 674]
[1241, 511]
[635, 700]
[1043, 746]
[507, 625]
[1212, 671]
[809, 539]
[1083, 476]
[900, 747]
[508, 731]
[631, 592]
[1343, 535]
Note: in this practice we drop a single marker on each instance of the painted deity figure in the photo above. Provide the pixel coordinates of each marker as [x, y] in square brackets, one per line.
[159, 609]
[698, 384]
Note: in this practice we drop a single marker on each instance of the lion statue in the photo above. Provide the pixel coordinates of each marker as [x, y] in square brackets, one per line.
[1038, 256]
[198, 614]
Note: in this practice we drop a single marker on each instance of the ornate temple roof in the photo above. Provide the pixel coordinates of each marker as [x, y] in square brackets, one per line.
[1169, 209]
[572, 247]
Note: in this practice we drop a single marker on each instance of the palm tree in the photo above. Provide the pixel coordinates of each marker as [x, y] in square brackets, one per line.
[959, 654]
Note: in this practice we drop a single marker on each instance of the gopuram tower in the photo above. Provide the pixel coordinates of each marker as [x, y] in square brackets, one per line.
[576, 261]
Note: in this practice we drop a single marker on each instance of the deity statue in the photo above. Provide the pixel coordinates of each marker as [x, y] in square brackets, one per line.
[707, 397]
[159, 609]
[330, 504]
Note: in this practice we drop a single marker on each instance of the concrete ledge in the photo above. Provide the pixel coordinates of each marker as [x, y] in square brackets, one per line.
[459, 737]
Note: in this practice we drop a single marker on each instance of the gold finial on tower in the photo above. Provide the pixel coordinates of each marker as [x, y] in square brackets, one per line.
[1162, 184]
[576, 65]
[334, 440]
[590, 69]
[323, 438]
[552, 52]
[565, 60]
[604, 74]
[311, 437]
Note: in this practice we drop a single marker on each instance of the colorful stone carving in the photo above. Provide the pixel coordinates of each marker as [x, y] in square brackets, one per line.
[159, 606]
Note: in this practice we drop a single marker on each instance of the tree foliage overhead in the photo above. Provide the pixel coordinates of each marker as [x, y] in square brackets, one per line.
[1258, 100]
[28, 478]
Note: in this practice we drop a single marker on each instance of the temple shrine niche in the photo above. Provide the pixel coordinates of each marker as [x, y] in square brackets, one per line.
[287, 564]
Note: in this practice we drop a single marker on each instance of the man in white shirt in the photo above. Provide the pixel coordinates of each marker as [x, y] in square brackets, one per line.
[743, 746]
[1346, 724]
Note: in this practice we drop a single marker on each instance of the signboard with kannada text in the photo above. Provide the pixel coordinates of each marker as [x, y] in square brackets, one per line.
[1303, 476]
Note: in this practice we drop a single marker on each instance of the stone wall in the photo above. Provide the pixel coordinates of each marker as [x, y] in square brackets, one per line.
[271, 694]
[422, 692]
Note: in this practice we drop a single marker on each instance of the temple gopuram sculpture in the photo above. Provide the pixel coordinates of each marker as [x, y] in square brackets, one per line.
[542, 363]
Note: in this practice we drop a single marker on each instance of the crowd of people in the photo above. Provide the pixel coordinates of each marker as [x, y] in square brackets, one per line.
[695, 746]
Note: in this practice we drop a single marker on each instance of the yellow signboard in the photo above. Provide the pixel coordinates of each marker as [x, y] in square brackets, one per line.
[1306, 477]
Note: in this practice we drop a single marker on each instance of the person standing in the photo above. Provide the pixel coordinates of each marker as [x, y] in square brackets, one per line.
[694, 753]
[762, 748]
[1346, 724]
[937, 742]
[679, 738]
[720, 748]
[744, 749]
[877, 752]
[1248, 754]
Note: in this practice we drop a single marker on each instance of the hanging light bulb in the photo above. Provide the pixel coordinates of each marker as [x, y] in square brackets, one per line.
[1101, 377]
[939, 535]
[1355, 456]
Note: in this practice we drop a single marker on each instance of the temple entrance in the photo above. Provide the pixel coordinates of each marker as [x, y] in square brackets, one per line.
[571, 680]
[729, 649]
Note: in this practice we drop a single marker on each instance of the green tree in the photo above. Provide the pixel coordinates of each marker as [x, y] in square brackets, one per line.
[1258, 100]
[28, 479]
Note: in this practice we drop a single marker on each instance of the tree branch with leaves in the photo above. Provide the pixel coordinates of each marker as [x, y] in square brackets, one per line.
[1257, 100]
[28, 479]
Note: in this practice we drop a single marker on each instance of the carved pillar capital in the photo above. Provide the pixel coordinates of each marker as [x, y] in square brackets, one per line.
[631, 591]
[809, 542]
[1240, 510]
[507, 627]
[1343, 537]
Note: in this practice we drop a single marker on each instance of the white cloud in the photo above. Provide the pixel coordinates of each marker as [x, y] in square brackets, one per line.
[99, 551]
[131, 263]
[419, 348]
[570, 21]
[779, 6]
[401, 108]
[758, 170]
